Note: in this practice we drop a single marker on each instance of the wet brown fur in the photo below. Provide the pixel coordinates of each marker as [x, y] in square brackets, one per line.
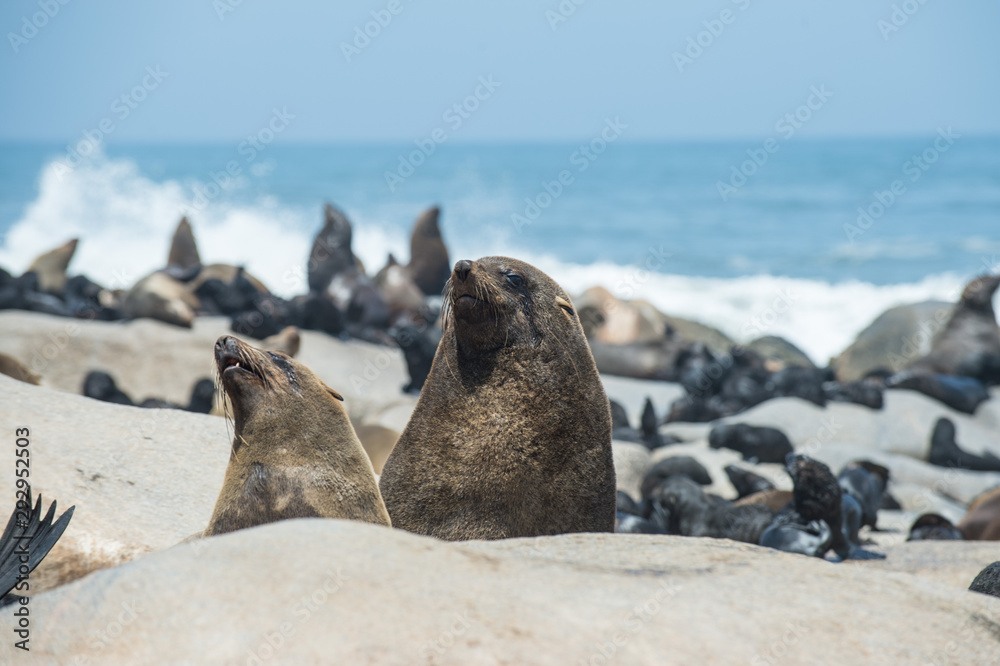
[294, 451]
[511, 436]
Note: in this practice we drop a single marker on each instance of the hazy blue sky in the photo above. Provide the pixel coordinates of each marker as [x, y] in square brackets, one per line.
[225, 75]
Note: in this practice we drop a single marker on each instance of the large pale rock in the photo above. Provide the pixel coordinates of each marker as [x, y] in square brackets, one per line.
[896, 337]
[141, 479]
[324, 591]
[631, 463]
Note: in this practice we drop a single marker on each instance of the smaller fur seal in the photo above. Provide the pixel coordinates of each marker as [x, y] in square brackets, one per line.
[789, 534]
[51, 267]
[988, 581]
[759, 444]
[159, 296]
[294, 452]
[934, 527]
[774, 498]
[419, 347]
[945, 451]
[429, 265]
[101, 386]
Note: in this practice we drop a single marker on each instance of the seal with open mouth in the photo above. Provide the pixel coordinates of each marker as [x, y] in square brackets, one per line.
[294, 453]
[511, 436]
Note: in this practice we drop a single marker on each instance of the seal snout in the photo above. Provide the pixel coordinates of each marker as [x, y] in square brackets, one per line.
[462, 269]
[227, 353]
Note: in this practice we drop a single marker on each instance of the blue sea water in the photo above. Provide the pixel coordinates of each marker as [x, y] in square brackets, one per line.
[675, 223]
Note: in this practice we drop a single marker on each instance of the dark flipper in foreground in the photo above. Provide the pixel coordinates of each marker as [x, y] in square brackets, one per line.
[28, 533]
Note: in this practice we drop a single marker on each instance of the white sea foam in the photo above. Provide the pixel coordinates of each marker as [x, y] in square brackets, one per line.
[125, 222]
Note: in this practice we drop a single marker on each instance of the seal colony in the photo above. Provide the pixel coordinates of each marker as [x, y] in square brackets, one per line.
[511, 436]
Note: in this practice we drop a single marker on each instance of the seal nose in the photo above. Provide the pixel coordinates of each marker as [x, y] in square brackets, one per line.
[462, 269]
[226, 343]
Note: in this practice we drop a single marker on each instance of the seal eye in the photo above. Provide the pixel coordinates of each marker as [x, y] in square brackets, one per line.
[515, 280]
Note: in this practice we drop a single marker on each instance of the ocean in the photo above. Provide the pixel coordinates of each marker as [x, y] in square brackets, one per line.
[806, 239]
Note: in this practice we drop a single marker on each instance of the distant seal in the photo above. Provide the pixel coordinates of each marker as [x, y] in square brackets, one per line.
[692, 513]
[988, 581]
[294, 452]
[757, 443]
[51, 267]
[651, 359]
[970, 342]
[429, 265]
[101, 386]
[672, 466]
[418, 347]
[981, 521]
[511, 435]
[963, 394]
[791, 535]
[934, 527]
[866, 482]
[817, 496]
[183, 248]
[945, 451]
[746, 482]
[334, 269]
[400, 292]
[287, 341]
[159, 296]
[11, 367]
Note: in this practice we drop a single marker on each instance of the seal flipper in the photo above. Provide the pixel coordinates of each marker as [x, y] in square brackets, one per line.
[41, 534]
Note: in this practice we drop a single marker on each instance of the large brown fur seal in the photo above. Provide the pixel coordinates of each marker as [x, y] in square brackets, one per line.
[970, 342]
[982, 520]
[51, 266]
[429, 265]
[294, 453]
[511, 436]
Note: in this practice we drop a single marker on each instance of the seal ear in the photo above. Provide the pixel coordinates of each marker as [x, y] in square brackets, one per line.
[565, 305]
[333, 393]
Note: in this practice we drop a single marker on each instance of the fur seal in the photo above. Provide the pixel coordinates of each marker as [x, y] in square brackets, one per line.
[693, 513]
[988, 581]
[775, 499]
[101, 386]
[934, 527]
[183, 248]
[402, 295]
[294, 452]
[817, 496]
[866, 482]
[963, 394]
[331, 249]
[51, 267]
[11, 367]
[27, 525]
[761, 444]
[791, 535]
[746, 482]
[945, 451]
[419, 347]
[429, 265]
[674, 466]
[159, 296]
[511, 435]
[981, 521]
[969, 344]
